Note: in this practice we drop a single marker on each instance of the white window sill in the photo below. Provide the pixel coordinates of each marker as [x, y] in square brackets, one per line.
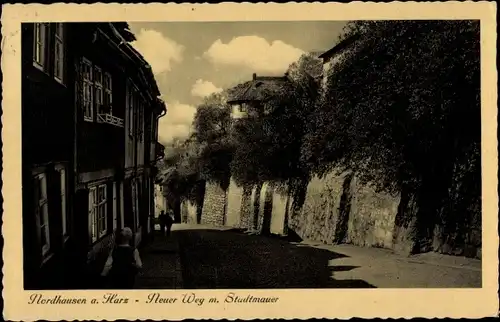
[88, 119]
[39, 67]
[46, 257]
[60, 81]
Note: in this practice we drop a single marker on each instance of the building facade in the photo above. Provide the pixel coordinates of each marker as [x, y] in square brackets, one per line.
[333, 56]
[90, 109]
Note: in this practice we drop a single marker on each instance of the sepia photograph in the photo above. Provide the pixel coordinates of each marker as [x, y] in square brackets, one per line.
[323, 154]
[249, 155]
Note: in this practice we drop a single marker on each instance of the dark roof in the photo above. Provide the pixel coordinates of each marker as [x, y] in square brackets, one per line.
[124, 30]
[122, 35]
[146, 68]
[340, 46]
[257, 89]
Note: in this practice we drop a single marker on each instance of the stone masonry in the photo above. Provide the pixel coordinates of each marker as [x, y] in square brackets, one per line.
[214, 205]
[234, 203]
[337, 209]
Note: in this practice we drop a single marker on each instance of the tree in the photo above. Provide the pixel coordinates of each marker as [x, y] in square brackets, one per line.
[180, 175]
[211, 135]
[268, 143]
[402, 110]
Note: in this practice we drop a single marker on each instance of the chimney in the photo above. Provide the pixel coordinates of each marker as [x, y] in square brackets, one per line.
[254, 76]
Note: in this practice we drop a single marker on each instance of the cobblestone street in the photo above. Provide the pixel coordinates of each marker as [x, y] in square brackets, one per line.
[203, 257]
[228, 259]
[161, 264]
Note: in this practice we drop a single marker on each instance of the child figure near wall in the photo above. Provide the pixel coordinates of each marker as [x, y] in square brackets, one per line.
[123, 263]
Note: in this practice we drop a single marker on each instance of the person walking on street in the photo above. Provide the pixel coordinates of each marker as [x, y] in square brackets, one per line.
[124, 262]
[170, 221]
[163, 221]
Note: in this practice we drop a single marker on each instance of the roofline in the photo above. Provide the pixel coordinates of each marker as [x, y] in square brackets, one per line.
[341, 45]
[270, 78]
[254, 79]
[137, 56]
[238, 101]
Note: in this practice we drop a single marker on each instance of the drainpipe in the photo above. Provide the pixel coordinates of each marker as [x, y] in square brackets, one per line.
[155, 139]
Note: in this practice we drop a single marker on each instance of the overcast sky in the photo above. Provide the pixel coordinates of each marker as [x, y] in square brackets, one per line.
[194, 59]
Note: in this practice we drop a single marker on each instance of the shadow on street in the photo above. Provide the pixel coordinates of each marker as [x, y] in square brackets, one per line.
[231, 259]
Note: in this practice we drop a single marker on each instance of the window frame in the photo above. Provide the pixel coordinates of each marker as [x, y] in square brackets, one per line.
[59, 39]
[42, 212]
[90, 83]
[64, 203]
[98, 220]
[140, 120]
[131, 110]
[135, 203]
[138, 203]
[98, 85]
[40, 62]
[108, 91]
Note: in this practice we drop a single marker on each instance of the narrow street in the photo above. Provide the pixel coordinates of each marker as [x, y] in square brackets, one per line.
[225, 258]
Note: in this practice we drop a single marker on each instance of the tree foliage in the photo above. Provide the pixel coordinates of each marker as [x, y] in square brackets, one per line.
[268, 143]
[397, 99]
[211, 135]
[179, 173]
[402, 109]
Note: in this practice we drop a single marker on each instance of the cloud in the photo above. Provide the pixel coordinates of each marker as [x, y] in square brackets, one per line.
[176, 123]
[254, 52]
[159, 51]
[204, 88]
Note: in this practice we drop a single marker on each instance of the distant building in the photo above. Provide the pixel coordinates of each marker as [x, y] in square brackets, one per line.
[247, 98]
[335, 54]
[90, 110]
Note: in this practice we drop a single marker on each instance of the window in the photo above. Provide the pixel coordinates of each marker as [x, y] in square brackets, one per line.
[135, 199]
[59, 52]
[135, 118]
[42, 212]
[242, 108]
[136, 195]
[141, 121]
[88, 94]
[108, 92]
[64, 218]
[98, 212]
[39, 45]
[131, 106]
[99, 94]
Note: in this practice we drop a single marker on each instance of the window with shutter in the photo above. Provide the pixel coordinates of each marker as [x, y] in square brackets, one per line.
[88, 90]
[42, 212]
[98, 214]
[99, 95]
[40, 45]
[108, 92]
[64, 218]
[59, 52]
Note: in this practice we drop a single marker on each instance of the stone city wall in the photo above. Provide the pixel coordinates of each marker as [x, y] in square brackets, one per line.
[214, 205]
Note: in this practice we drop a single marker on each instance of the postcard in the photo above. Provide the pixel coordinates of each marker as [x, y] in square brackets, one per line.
[249, 161]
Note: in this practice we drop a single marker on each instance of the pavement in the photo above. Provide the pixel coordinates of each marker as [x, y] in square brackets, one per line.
[384, 269]
[206, 257]
[161, 264]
